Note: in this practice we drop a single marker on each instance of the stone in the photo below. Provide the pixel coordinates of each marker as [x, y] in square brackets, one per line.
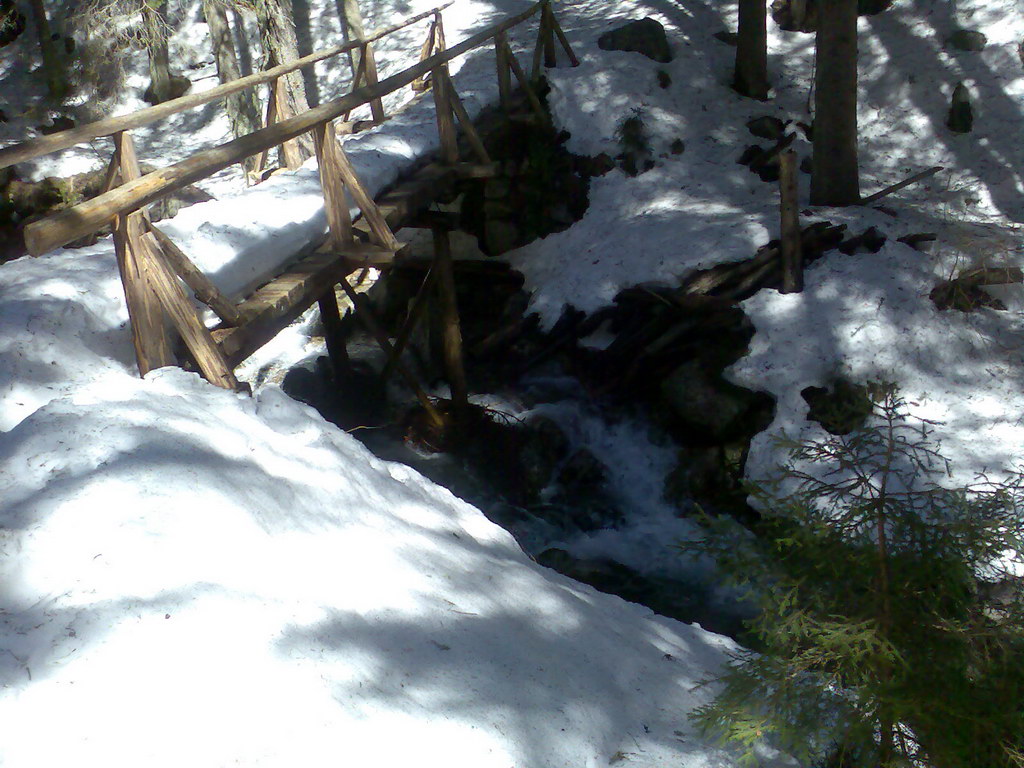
[544, 447]
[727, 37]
[645, 36]
[664, 79]
[677, 147]
[961, 115]
[179, 87]
[709, 409]
[767, 127]
[840, 408]
[58, 124]
[967, 40]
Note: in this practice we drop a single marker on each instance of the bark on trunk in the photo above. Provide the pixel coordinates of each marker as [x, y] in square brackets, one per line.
[277, 35]
[834, 176]
[56, 80]
[155, 18]
[243, 108]
[352, 24]
[751, 77]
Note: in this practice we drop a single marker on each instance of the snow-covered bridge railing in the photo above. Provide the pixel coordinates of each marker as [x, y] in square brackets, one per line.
[152, 267]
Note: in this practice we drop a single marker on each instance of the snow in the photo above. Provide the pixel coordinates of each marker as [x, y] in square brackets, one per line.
[192, 576]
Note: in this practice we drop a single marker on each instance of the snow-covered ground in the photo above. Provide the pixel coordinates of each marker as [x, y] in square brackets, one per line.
[195, 577]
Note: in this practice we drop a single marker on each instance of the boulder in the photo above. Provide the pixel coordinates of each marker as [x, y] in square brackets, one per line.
[767, 127]
[646, 36]
[709, 409]
[840, 408]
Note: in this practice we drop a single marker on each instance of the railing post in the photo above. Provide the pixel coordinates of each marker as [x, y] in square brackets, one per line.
[451, 335]
[149, 335]
[792, 258]
[504, 71]
[445, 121]
[376, 106]
[426, 51]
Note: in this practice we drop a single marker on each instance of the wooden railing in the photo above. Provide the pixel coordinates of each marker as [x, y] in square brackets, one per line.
[151, 265]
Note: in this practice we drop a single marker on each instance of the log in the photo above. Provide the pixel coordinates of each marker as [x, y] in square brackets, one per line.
[55, 142]
[419, 304]
[334, 332]
[339, 220]
[85, 218]
[195, 279]
[564, 41]
[445, 121]
[376, 105]
[420, 83]
[504, 72]
[475, 142]
[524, 83]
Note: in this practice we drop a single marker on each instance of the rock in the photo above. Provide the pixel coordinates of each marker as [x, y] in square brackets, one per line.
[840, 408]
[961, 115]
[677, 147]
[3, 116]
[544, 447]
[58, 124]
[920, 241]
[750, 154]
[582, 472]
[664, 80]
[802, 15]
[729, 38]
[179, 87]
[12, 22]
[967, 40]
[806, 165]
[598, 165]
[645, 36]
[767, 127]
[709, 409]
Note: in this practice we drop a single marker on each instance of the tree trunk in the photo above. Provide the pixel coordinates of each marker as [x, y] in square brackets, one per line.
[834, 177]
[277, 35]
[56, 80]
[352, 23]
[751, 78]
[154, 17]
[243, 108]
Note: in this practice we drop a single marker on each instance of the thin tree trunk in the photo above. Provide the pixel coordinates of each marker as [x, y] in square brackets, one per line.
[277, 35]
[243, 108]
[56, 80]
[751, 77]
[154, 15]
[834, 176]
[352, 21]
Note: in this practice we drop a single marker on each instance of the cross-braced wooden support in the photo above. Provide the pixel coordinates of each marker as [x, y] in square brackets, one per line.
[545, 49]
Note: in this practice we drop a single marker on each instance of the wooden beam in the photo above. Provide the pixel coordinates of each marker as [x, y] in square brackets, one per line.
[504, 72]
[366, 315]
[564, 41]
[376, 105]
[85, 218]
[900, 185]
[475, 142]
[451, 334]
[789, 214]
[334, 333]
[339, 220]
[212, 363]
[419, 304]
[381, 233]
[195, 279]
[524, 83]
[420, 83]
[548, 29]
[55, 142]
[149, 335]
[445, 121]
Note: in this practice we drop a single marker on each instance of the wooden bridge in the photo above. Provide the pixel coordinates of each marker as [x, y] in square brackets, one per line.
[155, 272]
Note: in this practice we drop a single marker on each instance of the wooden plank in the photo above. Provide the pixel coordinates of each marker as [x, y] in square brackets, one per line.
[176, 304]
[475, 142]
[504, 72]
[548, 27]
[376, 105]
[149, 335]
[451, 334]
[339, 220]
[86, 217]
[55, 142]
[195, 279]
[445, 121]
[792, 257]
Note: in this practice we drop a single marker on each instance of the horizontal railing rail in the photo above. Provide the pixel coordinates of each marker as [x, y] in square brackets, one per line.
[55, 142]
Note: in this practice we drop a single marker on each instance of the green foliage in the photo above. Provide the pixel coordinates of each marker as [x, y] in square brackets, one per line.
[890, 626]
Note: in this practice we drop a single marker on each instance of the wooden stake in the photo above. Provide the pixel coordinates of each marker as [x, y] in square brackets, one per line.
[176, 304]
[792, 258]
[201, 285]
[427, 49]
[900, 185]
[264, 157]
[451, 333]
[550, 59]
[504, 71]
[415, 313]
[538, 48]
[339, 219]
[380, 231]
[564, 41]
[524, 83]
[359, 77]
[152, 346]
[376, 105]
[366, 315]
[475, 142]
[445, 121]
[334, 334]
